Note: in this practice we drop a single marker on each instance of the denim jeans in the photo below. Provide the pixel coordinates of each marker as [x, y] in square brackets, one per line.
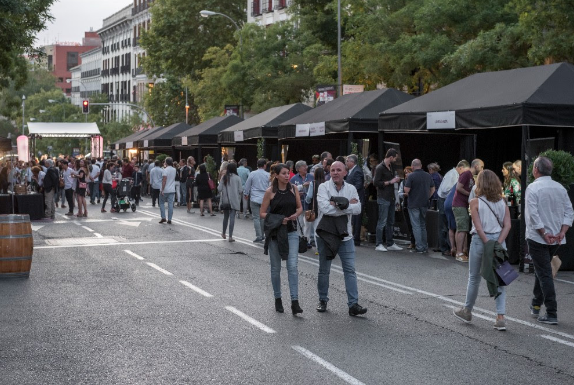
[347, 255]
[419, 222]
[183, 193]
[228, 216]
[94, 191]
[443, 241]
[386, 221]
[166, 197]
[257, 220]
[474, 277]
[544, 291]
[292, 272]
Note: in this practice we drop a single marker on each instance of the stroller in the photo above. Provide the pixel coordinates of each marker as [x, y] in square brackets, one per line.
[123, 194]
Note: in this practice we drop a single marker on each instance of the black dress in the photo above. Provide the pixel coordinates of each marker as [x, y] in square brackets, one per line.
[203, 189]
[284, 203]
[81, 179]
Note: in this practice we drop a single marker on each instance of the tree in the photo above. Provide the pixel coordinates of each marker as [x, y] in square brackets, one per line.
[166, 103]
[180, 33]
[21, 20]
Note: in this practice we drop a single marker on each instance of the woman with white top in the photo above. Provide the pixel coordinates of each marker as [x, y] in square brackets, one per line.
[490, 221]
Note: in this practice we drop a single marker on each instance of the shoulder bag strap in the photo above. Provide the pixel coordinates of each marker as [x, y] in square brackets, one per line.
[492, 212]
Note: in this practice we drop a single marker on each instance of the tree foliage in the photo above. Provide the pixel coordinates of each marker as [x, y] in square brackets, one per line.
[165, 102]
[179, 36]
[21, 20]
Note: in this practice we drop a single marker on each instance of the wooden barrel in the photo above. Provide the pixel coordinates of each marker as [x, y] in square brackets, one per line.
[16, 245]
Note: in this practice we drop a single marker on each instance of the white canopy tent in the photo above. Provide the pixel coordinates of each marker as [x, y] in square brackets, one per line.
[63, 130]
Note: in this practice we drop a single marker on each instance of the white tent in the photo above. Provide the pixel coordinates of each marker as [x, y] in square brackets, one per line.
[63, 130]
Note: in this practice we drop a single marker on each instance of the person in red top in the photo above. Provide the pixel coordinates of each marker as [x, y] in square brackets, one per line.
[460, 206]
[127, 169]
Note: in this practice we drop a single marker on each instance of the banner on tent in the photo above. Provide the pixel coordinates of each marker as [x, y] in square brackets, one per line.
[238, 136]
[317, 129]
[441, 120]
[302, 130]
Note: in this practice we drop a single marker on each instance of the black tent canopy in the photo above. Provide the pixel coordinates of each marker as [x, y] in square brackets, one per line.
[162, 137]
[206, 132]
[263, 125]
[5, 144]
[350, 113]
[130, 140]
[536, 96]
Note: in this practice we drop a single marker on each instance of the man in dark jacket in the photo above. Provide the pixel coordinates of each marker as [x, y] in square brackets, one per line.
[356, 177]
[51, 181]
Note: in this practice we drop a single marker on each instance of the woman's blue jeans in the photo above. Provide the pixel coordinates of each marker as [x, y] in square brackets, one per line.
[292, 272]
[474, 263]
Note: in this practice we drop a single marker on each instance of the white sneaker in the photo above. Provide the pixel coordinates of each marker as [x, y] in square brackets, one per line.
[394, 247]
[380, 248]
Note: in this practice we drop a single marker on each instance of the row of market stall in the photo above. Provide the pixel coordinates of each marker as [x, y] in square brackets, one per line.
[497, 116]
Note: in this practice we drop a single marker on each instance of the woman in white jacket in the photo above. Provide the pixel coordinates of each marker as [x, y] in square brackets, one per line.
[230, 191]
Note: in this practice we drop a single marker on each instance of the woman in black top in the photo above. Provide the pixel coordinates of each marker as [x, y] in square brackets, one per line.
[283, 199]
[203, 190]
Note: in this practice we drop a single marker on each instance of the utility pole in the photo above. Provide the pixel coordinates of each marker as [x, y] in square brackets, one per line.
[23, 111]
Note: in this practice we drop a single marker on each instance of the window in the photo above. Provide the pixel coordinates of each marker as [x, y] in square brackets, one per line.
[72, 60]
[50, 62]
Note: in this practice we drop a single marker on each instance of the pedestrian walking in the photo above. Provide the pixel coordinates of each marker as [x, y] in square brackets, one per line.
[404, 201]
[338, 202]
[384, 181]
[490, 224]
[69, 181]
[449, 180]
[94, 182]
[420, 187]
[356, 177]
[155, 178]
[109, 192]
[204, 192]
[51, 181]
[137, 178]
[82, 186]
[243, 173]
[282, 239]
[167, 191]
[548, 215]
[189, 183]
[254, 190]
[230, 193]
[311, 200]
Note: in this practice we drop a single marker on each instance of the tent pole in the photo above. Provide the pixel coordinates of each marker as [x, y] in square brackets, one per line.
[349, 143]
[523, 174]
[381, 146]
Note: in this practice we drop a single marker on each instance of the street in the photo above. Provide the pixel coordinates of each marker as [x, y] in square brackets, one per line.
[120, 299]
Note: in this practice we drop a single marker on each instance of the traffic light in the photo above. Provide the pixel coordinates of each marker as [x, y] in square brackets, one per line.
[86, 106]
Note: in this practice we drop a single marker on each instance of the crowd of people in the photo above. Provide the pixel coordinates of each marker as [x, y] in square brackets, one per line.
[332, 194]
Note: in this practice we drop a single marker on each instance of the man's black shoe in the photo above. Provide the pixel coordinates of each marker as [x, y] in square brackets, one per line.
[169, 222]
[322, 306]
[357, 309]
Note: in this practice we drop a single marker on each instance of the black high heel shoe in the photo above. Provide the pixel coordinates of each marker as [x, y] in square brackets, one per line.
[295, 307]
[279, 305]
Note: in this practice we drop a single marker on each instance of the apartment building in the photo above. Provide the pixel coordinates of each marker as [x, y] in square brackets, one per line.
[266, 12]
[141, 21]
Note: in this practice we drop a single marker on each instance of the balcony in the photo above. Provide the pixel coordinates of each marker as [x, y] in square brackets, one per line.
[105, 73]
[141, 7]
[137, 71]
[282, 4]
[136, 41]
[115, 71]
[255, 8]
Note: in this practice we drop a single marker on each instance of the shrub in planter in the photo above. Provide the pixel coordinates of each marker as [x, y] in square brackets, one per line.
[563, 169]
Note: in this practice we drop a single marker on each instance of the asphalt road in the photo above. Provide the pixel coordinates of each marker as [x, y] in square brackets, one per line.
[121, 299]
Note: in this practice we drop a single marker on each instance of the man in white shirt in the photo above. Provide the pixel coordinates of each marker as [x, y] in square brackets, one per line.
[548, 215]
[448, 182]
[337, 187]
[167, 192]
[94, 182]
[155, 180]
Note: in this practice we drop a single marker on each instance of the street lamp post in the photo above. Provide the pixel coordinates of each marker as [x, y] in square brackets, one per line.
[205, 13]
[23, 110]
[339, 72]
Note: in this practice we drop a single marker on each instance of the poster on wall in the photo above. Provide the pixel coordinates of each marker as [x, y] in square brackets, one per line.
[325, 94]
[231, 110]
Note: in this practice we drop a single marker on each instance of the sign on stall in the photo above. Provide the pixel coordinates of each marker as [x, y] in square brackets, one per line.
[145, 143]
[184, 140]
[301, 130]
[317, 129]
[129, 145]
[441, 120]
[238, 136]
[352, 89]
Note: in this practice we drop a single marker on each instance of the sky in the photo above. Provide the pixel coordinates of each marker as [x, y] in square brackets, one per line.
[74, 17]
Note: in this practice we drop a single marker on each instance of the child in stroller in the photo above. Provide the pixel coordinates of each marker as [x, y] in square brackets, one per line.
[123, 193]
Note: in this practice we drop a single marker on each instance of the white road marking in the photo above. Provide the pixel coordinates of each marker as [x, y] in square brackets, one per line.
[134, 254]
[77, 223]
[131, 224]
[87, 228]
[98, 235]
[252, 321]
[36, 228]
[196, 289]
[158, 268]
[563, 280]
[327, 365]
[567, 343]
[131, 243]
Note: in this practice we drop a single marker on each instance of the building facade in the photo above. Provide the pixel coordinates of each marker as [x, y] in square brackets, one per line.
[266, 12]
[91, 81]
[61, 57]
[75, 80]
[116, 57]
[141, 21]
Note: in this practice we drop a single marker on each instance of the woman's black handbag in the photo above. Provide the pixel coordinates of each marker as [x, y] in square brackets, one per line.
[226, 206]
[302, 239]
